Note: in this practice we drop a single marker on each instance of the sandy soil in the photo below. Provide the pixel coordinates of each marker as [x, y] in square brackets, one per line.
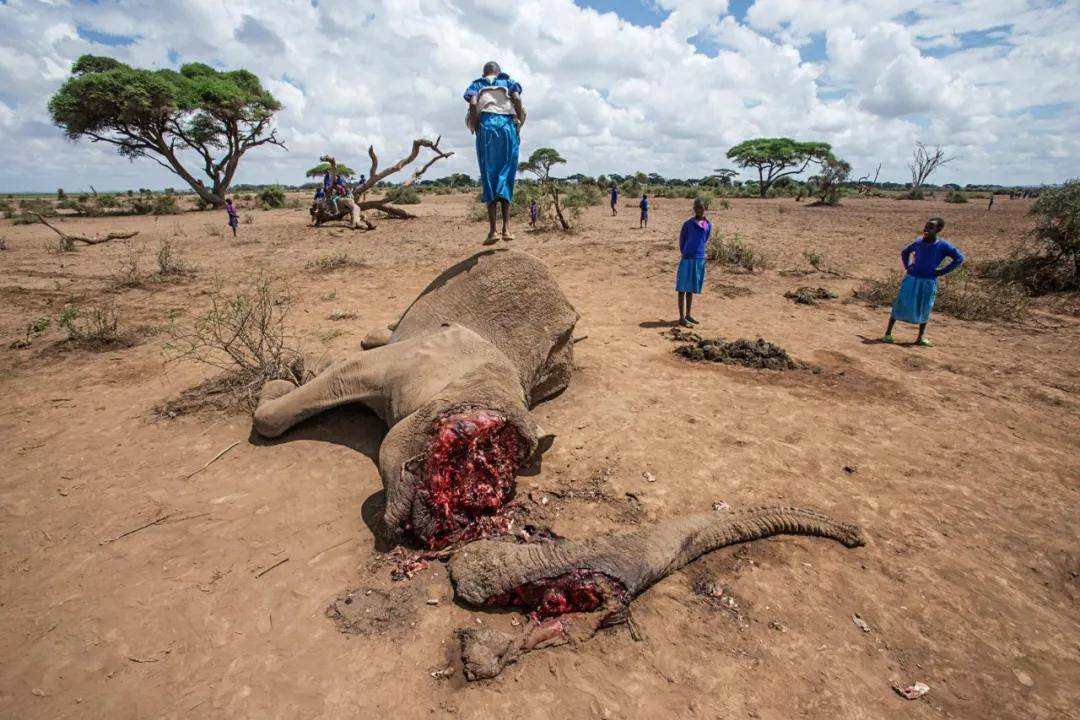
[965, 479]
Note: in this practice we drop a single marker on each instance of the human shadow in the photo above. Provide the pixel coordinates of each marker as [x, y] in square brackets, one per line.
[878, 341]
[653, 324]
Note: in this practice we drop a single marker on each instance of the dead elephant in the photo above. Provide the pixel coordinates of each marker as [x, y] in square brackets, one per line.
[485, 341]
[573, 587]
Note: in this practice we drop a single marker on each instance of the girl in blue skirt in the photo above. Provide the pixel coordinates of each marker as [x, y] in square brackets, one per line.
[919, 288]
[693, 239]
[496, 116]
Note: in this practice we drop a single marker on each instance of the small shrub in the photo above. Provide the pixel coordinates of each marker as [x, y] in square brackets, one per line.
[108, 201]
[734, 253]
[914, 194]
[705, 197]
[403, 196]
[272, 197]
[3, 243]
[60, 194]
[201, 204]
[960, 295]
[724, 204]
[128, 273]
[956, 197]
[33, 330]
[6, 209]
[249, 219]
[214, 230]
[95, 329]
[333, 261]
[243, 334]
[169, 261]
[342, 315]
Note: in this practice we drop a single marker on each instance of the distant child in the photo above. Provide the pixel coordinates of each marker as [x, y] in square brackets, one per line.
[234, 218]
[534, 213]
[644, 204]
[614, 200]
[693, 238]
[919, 288]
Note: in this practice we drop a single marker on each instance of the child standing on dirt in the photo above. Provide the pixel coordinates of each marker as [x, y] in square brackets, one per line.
[919, 288]
[690, 277]
[644, 204]
[614, 200]
[234, 218]
[534, 213]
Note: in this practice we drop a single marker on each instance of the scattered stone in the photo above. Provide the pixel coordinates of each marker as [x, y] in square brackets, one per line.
[759, 354]
[809, 296]
[860, 623]
[850, 469]
[912, 692]
[720, 506]
[649, 477]
[1023, 677]
[433, 601]
[38, 691]
[778, 627]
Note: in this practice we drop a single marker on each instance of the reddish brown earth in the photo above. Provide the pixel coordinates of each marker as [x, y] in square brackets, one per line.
[965, 481]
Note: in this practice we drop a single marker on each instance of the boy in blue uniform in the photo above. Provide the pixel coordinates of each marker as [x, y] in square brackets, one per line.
[644, 204]
[614, 200]
[690, 277]
[919, 288]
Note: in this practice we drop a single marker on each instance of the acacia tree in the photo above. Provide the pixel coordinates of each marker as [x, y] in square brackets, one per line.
[322, 168]
[160, 114]
[540, 164]
[826, 184]
[775, 158]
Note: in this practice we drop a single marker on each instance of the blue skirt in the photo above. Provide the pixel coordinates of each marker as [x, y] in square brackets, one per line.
[915, 300]
[690, 276]
[497, 154]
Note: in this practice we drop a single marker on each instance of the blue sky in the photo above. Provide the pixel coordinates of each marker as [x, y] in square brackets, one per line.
[643, 85]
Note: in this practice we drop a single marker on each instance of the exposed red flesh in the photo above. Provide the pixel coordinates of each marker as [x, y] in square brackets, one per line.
[469, 475]
[576, 591]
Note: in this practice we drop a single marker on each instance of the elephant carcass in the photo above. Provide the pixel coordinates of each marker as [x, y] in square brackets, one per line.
[573, 587]
[485, 341]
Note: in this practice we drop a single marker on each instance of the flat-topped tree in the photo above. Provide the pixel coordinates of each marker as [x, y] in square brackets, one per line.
[323, 168]
[161, 114]
[775, 158]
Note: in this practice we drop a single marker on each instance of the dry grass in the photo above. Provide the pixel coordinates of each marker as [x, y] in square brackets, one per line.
[960, 295]
[333, 261]
[94, 328]
[734, 253]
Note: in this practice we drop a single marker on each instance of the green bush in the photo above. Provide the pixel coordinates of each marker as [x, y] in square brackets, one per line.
[272, 197]
[403, 196]
[955, 197]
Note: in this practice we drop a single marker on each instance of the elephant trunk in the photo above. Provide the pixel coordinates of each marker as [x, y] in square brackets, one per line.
[607, 572]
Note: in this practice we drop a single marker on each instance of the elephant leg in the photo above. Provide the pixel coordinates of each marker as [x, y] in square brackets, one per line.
[357, 379]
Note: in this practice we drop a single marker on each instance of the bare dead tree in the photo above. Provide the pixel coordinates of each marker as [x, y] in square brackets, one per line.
[355, 206]
[69, 240]
[866, 185]
[924, 163]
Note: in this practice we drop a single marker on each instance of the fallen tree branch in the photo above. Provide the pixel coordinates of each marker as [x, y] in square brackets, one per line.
[86, 240]
[277, 564]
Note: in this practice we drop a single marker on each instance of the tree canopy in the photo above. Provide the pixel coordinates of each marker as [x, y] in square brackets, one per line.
[775, 158]
[321, 169]
[541, 162]
[160, 114]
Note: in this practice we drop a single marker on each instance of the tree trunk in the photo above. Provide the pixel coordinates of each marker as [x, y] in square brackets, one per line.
[558, 209]
[763, 189]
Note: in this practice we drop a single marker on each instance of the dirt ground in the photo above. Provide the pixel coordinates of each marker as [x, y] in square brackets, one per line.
[959, 461]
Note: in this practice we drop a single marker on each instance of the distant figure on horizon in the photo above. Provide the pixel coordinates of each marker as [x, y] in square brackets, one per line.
[690, 277]
[918, 291]
[991, 205]
[234, 218]
[495, 117]
[614, 200]
[644, 205]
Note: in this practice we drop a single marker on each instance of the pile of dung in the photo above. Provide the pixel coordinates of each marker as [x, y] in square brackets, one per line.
[759, 354]
[809, 296]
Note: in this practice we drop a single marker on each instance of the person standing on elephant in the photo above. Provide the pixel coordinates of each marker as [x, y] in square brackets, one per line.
[495, 117]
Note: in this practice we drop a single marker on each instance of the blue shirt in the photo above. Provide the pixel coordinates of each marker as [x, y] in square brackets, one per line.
[614, 195]
[644, 205]
[693, 239]
[928, 256]
[501, 80]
